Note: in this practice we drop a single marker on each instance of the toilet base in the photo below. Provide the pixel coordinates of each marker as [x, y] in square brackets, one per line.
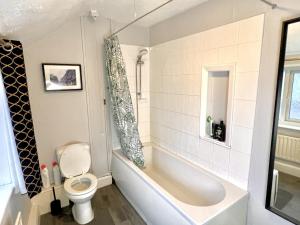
[83, 212]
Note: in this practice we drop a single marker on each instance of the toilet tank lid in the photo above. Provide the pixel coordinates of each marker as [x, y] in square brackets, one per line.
[75, 160]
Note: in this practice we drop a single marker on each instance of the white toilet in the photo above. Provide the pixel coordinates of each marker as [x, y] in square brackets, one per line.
[80, 186]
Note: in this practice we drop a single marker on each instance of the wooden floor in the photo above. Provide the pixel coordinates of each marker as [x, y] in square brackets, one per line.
[288, 195]
[110, 208]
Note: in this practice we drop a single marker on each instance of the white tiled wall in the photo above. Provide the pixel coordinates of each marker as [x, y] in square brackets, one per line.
[130, 53]
[175, 95]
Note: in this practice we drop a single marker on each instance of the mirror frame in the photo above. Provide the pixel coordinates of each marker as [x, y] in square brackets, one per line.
[275, 121]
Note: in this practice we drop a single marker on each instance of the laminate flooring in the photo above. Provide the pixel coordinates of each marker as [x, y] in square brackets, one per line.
[110, 208]
[288, 195]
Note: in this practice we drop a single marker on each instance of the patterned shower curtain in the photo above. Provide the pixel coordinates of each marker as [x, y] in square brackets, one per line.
[15, 83]
[122, 108]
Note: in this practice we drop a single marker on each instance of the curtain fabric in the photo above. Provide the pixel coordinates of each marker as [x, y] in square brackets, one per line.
[15, 83]
[8, 144]
[122, 108]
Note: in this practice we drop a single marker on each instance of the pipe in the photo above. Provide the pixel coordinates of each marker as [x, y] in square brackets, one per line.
[136, 93]
[141, 17]
[273, 5]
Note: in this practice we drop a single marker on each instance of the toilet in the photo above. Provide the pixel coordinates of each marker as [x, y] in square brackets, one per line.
[79, 186]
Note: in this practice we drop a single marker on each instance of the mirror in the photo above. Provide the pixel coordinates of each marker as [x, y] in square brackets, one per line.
[283, 193]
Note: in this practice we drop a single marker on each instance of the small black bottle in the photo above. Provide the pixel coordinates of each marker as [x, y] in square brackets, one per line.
[221, 131]
[214, 130]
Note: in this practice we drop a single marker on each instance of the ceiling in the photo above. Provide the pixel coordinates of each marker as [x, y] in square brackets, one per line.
[17, 15]
[123, 10]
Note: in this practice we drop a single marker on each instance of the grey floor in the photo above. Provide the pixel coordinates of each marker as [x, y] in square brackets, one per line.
[110, 208]
[288, 196]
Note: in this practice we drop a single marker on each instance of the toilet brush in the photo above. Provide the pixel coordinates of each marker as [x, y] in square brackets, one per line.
[55, 205]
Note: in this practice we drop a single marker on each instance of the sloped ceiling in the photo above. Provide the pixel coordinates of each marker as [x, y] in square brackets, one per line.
[123, 10]
[26, 15]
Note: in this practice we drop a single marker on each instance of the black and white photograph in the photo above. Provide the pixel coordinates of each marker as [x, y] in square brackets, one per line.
[62, 77]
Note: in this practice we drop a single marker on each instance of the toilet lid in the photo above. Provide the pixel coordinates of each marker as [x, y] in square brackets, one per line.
[75, 160]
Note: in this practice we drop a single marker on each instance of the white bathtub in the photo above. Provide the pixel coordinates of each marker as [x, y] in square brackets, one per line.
[172, 191]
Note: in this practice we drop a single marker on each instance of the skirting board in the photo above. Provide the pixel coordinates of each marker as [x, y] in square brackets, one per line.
[104, 181]
[288, 168]
[43, 199]
[34, 216]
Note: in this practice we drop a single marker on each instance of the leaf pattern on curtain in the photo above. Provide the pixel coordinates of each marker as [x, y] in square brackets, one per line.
[122, 108]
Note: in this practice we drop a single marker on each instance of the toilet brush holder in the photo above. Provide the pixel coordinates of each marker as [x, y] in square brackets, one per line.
[55, 205]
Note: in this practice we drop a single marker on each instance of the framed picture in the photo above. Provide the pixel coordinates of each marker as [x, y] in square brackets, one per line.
[62, 77]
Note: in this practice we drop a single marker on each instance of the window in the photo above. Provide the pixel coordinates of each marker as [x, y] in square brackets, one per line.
[10, 167]
[5, 172]
[294, 107]
[290, 98]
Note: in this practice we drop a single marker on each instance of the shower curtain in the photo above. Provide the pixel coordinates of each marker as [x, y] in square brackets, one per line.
[122, 108]
[15, 82]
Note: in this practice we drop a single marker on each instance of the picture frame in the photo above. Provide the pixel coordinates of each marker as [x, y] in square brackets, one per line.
[62, 77]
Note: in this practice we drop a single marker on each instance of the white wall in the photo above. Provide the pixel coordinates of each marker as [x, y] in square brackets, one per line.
[17, 203]
[217, 96]
[175, 95]
[58, 117]
[61, 117]
[130, 53]
[226, 11]
[200, 18]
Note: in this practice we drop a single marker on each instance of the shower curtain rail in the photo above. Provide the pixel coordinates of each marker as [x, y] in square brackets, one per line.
[137, 19]
[7, 46]
[273, 5]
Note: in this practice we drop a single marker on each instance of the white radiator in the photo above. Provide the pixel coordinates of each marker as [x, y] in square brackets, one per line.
[19, 219]
[288, 148]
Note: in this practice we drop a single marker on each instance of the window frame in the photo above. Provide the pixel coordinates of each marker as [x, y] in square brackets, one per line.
[286, 98]
[290, 93]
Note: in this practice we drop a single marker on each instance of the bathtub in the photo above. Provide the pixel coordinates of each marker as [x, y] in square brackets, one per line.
[172, 191]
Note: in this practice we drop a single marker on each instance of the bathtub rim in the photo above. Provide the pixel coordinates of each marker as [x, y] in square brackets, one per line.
[182, 207]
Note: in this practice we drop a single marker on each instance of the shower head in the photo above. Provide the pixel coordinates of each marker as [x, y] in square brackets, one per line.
[142, 52]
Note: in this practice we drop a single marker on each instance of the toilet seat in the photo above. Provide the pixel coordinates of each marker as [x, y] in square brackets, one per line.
[81, 185]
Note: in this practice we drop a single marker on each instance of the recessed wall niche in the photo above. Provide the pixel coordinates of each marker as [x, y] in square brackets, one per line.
[216, 104]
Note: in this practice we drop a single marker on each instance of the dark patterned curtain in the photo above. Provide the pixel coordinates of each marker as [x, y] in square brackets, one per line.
[15, 83]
